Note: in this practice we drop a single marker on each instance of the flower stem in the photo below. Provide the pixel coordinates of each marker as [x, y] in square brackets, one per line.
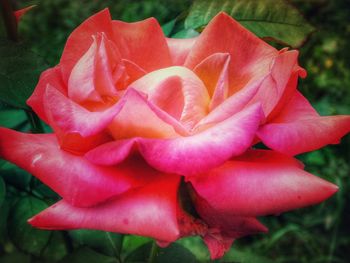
[153, 253]
[10, 21]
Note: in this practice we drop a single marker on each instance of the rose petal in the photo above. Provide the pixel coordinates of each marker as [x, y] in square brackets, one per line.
[266, 184]
[81, 39]
[52, 77]
[73, 118]
[217, 244]
[275, 86]
[79, 145]
[304, 135]
[192, 154]
[250, 56]
[213, 71]
[232, 105]
[289, 91]
[21, 12]
[140, 117]
[224, 228]
[300, 129]
[143, 43]
[78, 181]
[179, 49]
[189, 92]
[297, 108]
[132, 73]
[147, 211]
[93, 76]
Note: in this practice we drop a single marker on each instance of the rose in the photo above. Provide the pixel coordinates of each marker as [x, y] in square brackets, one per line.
[134, 112]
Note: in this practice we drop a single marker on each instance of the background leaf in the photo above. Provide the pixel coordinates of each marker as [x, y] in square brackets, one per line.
[174, 253]
[56, 248]
[86, 255]
[23, 235]
[19, 72]
[272, 19]
[2, 192]
[104, 242]
[13, 118]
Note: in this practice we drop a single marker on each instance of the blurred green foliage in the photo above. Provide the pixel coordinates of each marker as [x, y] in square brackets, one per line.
[312, 235]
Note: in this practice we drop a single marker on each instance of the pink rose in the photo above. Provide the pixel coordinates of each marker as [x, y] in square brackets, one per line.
[134, 112]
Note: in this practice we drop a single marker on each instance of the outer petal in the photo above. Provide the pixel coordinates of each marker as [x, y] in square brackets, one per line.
[78, 181]
[72, 118]
[81, 39]
[143, 43]
[224, 228]
[150, 211]
[179, 49]
[192, 154]
[52, 77]
[250, 56]
[275, 85]
[267, 184]
[300, 129]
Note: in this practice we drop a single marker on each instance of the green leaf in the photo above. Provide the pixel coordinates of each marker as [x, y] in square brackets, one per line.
[131, 243]
[271, 19]
[86, 255]
[5, 209]
[103, 242]
[15, 176]
[244, 256]
[19, 72]
[168, 27]
[23, 235]
[15, 258]
[172, 254]
[186, 33]
[12, 118]
[175, 253]
[2, 191]
[56, 249]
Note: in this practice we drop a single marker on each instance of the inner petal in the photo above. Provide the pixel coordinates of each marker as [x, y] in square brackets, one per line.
[178, 91]
[213, 71]
[95, 74]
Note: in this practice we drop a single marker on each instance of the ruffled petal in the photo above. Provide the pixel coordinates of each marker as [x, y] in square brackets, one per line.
[181, 88]
[95, 74]
[179, 49]
[250, 56]
[298, 128]
[81, 39]
[269, 183]
[147, 211]
[188, 155]
[140, 117]
[52, 77]
[132, 72]
[78, 181]
[143, 43]
[70, 117]
[213, 71]
[275, 85]
[224, 228]
[232, 105]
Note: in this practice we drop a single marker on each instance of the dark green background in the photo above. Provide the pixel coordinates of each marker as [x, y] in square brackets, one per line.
[316, 234]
